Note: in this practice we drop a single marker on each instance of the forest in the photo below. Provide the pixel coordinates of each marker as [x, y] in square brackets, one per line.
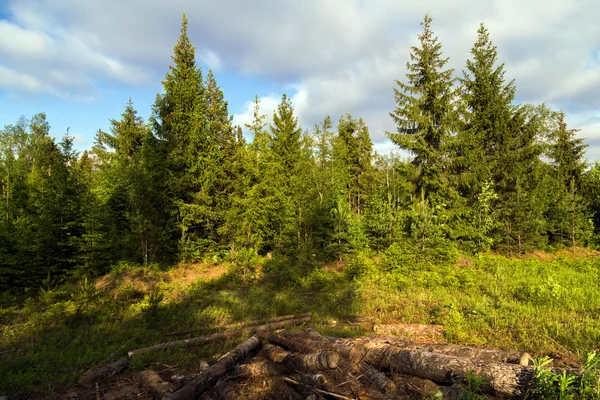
[484, 173]
[485, 179]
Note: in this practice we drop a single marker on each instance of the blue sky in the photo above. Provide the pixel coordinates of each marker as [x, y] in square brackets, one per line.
[79, 61]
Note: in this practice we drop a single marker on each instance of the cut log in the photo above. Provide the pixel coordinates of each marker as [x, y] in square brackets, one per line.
[209, 376]
[218, 336]
[100, 374]
[303, 362]
[311, 344]
[275, 353]
[495, 355]
[423, 387]
[354, 355]
[310, 379]
[245, 324]
[503, 379]
[290, 343]
[152, 382]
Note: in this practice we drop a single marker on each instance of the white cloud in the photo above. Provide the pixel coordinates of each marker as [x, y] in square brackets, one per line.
[211, 59]
[268, 105]
[22, 81]
[334, 56]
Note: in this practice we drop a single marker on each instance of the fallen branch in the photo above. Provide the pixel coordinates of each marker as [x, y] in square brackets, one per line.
[91, 377]
[321, 391]
[212, 374]
[245, 324]
[218, 336]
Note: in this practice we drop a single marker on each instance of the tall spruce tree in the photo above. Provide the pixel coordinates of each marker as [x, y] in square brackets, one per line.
[424, 114]
[567, 213]
[488, 100]
[180, 121]
[286, 136]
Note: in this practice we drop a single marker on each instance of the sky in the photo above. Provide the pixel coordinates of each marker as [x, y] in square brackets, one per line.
[79, 61]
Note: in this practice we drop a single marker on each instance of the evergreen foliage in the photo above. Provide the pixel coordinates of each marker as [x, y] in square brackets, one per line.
[484, 174]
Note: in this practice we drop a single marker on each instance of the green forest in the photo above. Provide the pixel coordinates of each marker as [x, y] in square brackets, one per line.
[300, 219]
[483, 174]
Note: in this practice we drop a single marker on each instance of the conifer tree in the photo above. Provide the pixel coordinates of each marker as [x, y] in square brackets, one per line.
[567, 214]
[424, 113]
[485, 136]
[180, 121]
[285, 136]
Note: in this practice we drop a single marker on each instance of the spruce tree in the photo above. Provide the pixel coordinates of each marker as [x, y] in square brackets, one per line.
[180, 121]
[485, 136]
[286, 136]
[424, 114]
[567, 213]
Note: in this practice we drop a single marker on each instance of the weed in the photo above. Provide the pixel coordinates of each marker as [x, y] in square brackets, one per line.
[566, 386]
[472, 388]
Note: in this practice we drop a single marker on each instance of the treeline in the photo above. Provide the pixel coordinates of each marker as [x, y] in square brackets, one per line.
[485, 173]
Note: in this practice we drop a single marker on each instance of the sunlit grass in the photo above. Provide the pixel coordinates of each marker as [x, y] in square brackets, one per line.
[544, 306]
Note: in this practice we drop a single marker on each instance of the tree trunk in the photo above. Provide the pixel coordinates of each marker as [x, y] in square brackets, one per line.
[103, 373]
[573, 213]
[154, 383]
[212, 374]
[503, 379]
[313, 362]
[354, 355]
[218, 335]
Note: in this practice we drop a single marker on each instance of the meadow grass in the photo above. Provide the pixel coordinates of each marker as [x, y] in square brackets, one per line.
[549, 304]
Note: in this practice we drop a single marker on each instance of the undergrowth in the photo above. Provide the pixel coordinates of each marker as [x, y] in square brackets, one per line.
[548, 305]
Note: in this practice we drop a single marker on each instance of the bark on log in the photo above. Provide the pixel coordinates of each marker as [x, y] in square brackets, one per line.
[290, 343]
[354, 355]
[218, 335]
[312, 343]
[151, 381]
[103, 373]
[503, 379]
[312, 362]
[494, 355]
[202, 382]
[275, 353]
[310, 379]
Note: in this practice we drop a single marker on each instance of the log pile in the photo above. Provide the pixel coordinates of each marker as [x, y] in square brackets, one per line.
[307, 365]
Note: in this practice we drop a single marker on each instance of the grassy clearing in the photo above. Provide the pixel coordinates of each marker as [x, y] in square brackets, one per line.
[549, 304]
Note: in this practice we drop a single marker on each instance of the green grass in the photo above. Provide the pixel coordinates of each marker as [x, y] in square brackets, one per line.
[543, 305]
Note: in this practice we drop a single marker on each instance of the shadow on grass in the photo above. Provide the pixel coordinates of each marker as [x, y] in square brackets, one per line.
[54, 345]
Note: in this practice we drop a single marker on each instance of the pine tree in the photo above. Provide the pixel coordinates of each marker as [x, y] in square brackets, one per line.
[424, 114]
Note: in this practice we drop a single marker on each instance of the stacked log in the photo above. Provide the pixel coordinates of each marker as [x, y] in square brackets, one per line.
[307, 365]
